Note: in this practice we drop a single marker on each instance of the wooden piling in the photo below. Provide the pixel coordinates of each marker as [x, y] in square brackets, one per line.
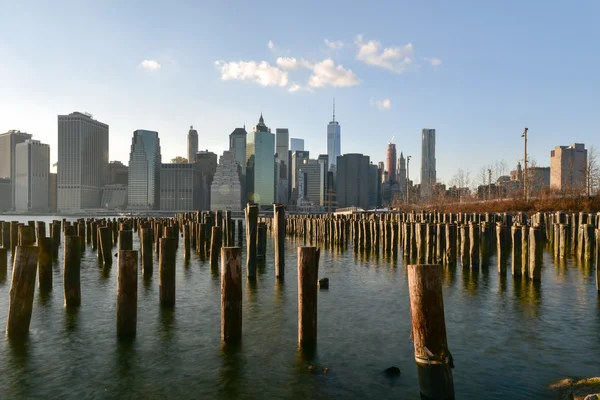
[535, 253]
[105, 250]
[72, 271]
[46, 249]
[279, 235]
[3, 263]
[308, 275]
[125, 240]
[251, 233]
[127, 282]
[231, 294]
[22, 288]
[261, 245]
[434, 361]
[146, 250]
[215, 246]
[186, 242]
[166, 265]
[516, 257]
[26, 236]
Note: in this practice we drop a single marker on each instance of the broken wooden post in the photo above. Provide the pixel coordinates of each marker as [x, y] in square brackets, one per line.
[433, 359]
[22, 288]
[105, 250]
[279, 235]
[45, 263]
[251, 232]
[127, 282]
[517, 247]
[261, 245]
[186, 242]
[3, 263]
[308, 275]
[125, 240]
[72, 271]
[535, 253]
[215, 246]
[231, 294]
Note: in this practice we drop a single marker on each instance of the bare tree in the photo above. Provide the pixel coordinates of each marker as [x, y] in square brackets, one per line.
[592, 171]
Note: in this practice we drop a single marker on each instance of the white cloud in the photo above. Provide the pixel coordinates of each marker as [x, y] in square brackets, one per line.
[261, 72]
[396, 59]
[334, 44]
[326, 73]
[271, 45]
[383, 104]
[296, 87]
[292, 63]
[150, 65]
[434, 61]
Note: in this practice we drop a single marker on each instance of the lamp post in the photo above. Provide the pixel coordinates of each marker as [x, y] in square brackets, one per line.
[407, 176]
[524, 135]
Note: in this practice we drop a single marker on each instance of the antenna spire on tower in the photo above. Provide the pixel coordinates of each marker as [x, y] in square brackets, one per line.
[334, 109]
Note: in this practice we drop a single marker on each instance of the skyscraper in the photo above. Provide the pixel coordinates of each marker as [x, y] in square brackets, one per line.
[353, 188]
[226, 188]
[32, 170]
[391, 163]
[82, 161]
[298, 158]
[192, 144]
[428, 176]
[334, 133]
[144, 171]
[8, 143]
[260, 171]
[296, 144]
[237, 145]
[207, 162]
[402, 172]
[179, 187]
[282, 147]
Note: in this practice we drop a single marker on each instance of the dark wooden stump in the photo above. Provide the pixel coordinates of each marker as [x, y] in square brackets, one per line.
[72, 271]
[127, 282]
[308, 276]
[231, 294]
[279, 234]
[166, 265]
[21, 292]
[45, 263]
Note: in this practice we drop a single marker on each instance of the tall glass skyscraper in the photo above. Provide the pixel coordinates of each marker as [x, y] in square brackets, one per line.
[428, 173]
[334, 138]
[260, 171]
[144, 171]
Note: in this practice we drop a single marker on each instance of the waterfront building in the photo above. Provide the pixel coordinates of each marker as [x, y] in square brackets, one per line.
[143, 189]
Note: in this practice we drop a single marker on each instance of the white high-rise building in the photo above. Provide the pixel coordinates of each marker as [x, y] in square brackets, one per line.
[82, 161]
[428, 175]
[260, 170]
[32, 173]
[8, 143]
[334, 138]
[226, 188]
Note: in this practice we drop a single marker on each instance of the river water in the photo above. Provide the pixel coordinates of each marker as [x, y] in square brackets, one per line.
[510, 338]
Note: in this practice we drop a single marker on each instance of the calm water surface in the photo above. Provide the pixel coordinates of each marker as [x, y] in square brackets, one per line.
[509, 339]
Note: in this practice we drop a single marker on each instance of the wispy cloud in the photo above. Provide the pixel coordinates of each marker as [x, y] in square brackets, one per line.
[326, 73]
[433, 61]
[150, 65]
[261, 72]
[382, 105]
[334, 44]
[271, 45]
[396, 59]
[289, 63]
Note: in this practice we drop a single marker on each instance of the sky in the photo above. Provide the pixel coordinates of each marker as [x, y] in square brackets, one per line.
[476, 71]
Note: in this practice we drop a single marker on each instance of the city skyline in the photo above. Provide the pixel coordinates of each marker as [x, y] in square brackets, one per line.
[496, 82]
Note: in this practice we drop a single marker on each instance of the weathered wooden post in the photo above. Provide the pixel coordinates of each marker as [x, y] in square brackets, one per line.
[421, 241]
[261, 246]
[451, 244]
[125, 240]
[55, 233]
[464, 245]
[72, 271]
[166, 265]
[105, 251]
[563, 240]
[3, 263]
[45, 263]
[535, 247]
[474, 245]
[94, 234]
[308, 276]
[251, 232]
[40, 229]
[6, 235]
[22, 288]
[597, 259]
[215, 246]
[231, 294]
[127, 282]
[500, 247]
[433, 359]
[146, 250]
[240, 231]
[186, 242]
[588, 240]
[516, 256]
[14, 236]
[279, 228]
[26, 236]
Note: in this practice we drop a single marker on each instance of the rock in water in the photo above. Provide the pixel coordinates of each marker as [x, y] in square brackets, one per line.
[392, 372]
[324, 283]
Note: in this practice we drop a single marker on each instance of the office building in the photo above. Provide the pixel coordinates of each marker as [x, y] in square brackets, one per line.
[260, 171]
[568, 165]
[5, 194]
[282, 147]
[207, 162]
[314, 180]
[298, 158]
[32, 170]
[82, 161]
[325, 183]
[114, 197]
[192, 144]
[8, 143]
[402, 173]
[53, 193]
[118, 173]
[143, 189]
[226, 189]
[352, 181]
[237, 145]
[334, 138]
[296, 145]
[428, 173]
[179, 187]
[391, 163]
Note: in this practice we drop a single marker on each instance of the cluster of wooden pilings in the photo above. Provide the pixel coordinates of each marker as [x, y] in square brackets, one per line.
[446, 239]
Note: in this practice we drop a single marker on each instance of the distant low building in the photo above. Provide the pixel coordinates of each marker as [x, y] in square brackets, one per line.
[180, 187]
[114, 197]
[118, 173]
[567, 168]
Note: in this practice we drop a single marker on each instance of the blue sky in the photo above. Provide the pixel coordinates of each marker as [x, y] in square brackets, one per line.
[476, 71]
